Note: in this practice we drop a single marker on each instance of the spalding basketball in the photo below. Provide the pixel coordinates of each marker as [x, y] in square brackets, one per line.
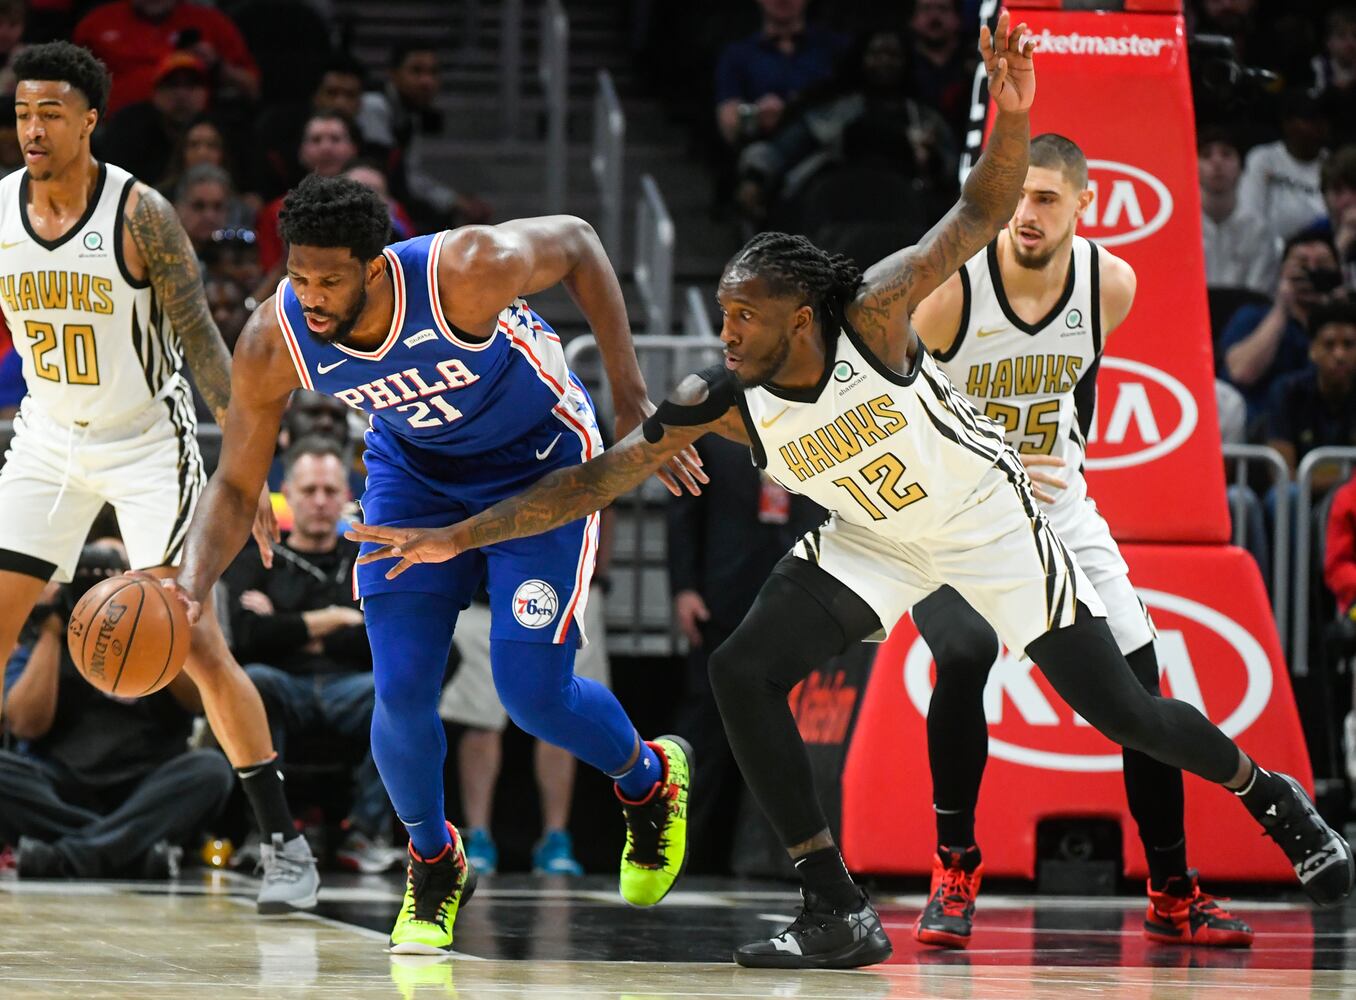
[128, 636]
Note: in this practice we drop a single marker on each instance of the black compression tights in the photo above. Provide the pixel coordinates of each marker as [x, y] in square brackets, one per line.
[964, 647]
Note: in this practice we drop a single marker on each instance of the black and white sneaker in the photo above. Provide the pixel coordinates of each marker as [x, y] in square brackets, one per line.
[1322, 859]
[822, 938]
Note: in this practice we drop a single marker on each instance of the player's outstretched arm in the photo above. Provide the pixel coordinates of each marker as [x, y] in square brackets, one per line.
[172, 269]
[896, 285]
[567, 494]
[262, 379]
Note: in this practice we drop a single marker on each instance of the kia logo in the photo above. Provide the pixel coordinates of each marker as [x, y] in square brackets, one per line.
[1128, 203]
[1142, 414]
[1014, 701]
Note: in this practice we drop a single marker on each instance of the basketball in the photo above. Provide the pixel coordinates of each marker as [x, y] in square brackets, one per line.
[128, 637]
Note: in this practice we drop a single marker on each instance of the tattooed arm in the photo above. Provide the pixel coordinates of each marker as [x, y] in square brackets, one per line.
[161, 253]
[895, 286]
[562, 496]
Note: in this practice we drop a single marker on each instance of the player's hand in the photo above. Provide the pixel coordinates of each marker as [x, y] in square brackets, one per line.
[265, 529]
[1007, 60]
[684, 467]
[191, 607]
[409, 545]
[690, 610]
[1039, 479]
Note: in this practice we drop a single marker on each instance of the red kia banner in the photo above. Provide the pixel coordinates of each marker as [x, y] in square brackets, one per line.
[1117, 84]
[1218, 650]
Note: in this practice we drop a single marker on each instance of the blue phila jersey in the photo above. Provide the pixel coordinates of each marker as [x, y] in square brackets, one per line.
[428, 383]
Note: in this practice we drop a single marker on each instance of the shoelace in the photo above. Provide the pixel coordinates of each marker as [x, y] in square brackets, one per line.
[955, 892]
[427, 885]
[647, 825]
[278, 867]
[810, 919]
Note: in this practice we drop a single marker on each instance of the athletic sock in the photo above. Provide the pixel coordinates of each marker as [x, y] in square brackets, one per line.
[967, 858]
[263, 784]
[1166, 863]
[1262, 790]
[823, 873]
[955, 827]
[638, 780]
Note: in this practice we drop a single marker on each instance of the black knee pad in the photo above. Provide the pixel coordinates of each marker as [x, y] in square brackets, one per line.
[963, 644]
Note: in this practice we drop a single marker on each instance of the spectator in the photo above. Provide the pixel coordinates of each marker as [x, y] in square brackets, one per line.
[13, 14]
[1280, 182]
[107, 787]
[1335, 73]
[398, 121]
[300, 632]
[202, 199]
[759, 75]
[941, 61]
[1237, 20]
[1240, 249]
[864, 117]
[143, 136]
[205, 142]
[277, 134]
[1262, 343]
[233, 255]
[315, 414]
[1316, 408]
[226, 299]
[470, 700]
[133, 37]
[740, 511]
[1338, 181]
[328, 144]
[369, 175]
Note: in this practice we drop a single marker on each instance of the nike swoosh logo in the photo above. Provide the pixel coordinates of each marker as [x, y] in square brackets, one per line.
[765, 424]
[10, 246]
[989, 332]
[542, 454]
[322, 369]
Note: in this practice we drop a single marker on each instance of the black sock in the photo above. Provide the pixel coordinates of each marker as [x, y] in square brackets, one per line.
[955, 827]
[1166, 863]
[824, 874]
[263, 784]
[1261, 790]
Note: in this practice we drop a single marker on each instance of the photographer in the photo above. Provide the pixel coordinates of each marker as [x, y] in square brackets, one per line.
[1262, 343]
[106, 787]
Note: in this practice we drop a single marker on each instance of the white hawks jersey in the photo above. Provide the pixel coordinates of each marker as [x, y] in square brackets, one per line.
[96, 347]
[1036, 380]
[896, 453]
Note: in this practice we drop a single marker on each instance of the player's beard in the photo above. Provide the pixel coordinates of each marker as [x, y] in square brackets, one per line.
[1038, 260]
[342, 327]
[769, 368]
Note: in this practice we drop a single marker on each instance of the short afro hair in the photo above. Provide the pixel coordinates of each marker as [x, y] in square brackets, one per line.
[1056, 152]
[336, 212]
[66, 63]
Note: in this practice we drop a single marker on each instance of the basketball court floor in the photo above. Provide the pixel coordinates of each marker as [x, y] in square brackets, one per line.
[535, 937]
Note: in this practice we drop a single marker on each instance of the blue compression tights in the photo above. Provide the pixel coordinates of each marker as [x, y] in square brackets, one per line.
[411, 635]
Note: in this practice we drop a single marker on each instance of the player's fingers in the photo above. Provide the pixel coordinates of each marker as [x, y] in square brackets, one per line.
[670, 484]
[398, 568]
[374, 533]
[1016, 39]
[1041, 495]
[377, 554]
[1033, 460]
[985, 44]
[997, 75]
[1046, 479]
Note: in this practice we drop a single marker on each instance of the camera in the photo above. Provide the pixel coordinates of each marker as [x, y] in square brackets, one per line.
[1323, 280]
[1222, 85]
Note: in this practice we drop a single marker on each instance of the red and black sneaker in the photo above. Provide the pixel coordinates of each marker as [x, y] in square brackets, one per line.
[950, 913]
[1181, 914]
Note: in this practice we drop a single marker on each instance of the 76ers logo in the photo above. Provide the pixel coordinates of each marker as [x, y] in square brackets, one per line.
[535, 604]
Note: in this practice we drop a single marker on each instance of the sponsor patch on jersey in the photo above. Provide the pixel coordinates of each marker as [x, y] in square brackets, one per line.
[844, 373]
[94, 241]
[422, 337]
[535, 604]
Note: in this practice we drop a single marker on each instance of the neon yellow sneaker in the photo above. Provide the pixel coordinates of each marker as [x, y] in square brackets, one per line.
[656, 828]
[434, 890]
[415, 975]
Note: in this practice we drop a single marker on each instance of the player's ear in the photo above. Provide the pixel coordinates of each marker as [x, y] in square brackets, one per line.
[91, 120]
[376, 267]
[803, 320]
[1084, 200]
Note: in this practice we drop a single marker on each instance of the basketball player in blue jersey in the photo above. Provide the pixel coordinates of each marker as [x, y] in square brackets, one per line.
[470, 400]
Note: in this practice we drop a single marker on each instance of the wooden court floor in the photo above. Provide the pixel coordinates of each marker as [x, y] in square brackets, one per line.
[522, 937]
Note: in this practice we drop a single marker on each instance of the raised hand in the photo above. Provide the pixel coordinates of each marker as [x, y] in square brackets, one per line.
[1007, 60]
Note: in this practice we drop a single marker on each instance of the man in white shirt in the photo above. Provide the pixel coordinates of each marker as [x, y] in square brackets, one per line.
[1241, 251]
[1281, 179]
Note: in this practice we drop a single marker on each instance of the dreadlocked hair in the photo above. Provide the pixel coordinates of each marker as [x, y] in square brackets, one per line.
[792, 265]
[335, 212]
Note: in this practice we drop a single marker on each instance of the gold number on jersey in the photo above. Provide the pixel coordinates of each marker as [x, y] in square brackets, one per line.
[1042, 424]
[77, 343]
[887, 470]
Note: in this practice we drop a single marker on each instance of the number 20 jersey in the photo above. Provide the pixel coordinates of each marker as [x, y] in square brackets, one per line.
[896, 453]
[95, 345]
[432, 386]
[1036, 380]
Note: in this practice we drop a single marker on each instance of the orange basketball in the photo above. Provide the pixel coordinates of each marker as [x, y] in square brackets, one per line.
[128, 636]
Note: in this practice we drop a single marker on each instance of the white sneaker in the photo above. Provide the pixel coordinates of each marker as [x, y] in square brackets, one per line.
[291, 880]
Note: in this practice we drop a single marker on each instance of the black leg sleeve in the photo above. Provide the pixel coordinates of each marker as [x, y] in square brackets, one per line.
[1153, 790]
[1086, 669]
[964, 646]
[802, 617]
